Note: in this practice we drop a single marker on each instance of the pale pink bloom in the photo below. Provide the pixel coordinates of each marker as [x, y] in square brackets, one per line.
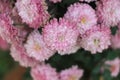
[36, 47]
[115, 40]
[88, 0]
[18, 53]
[33, 12]
[96, 39]
[73, 73]
[5, 6]
[61, 36]
[7, 31]
[44, 72]
[82, 14]
[114, 66]
[108, 12]
[55, 1]
[3, 44]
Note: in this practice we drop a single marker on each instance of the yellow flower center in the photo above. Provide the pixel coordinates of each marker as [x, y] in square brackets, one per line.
[37, 47]
[83, 20]
[72, 78]
[96, 41]
[61, 38]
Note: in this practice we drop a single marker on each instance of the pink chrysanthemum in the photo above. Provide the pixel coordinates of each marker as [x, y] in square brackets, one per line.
[114, 66]
[36, 48]
[96, 39]
[44, 72]
[3, 44]
[71, 74]
[61, 36]
[83, 15]
[55, 1]
[108, 12]
[33, 12]
[7, 31]
[18, 53]
[88, 0]
[5, 6]
[115, 40]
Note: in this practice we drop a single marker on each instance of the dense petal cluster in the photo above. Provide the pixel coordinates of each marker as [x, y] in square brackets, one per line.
[61, 36]
[97, 39]
[5, 6]
[36, 47]
[114, 66]
[44, 72]
[55, 1]
[18, 53]
[82, 14]
[108, 12]
[47, 36]
[73, 73]
[7, 31]
[33, 12]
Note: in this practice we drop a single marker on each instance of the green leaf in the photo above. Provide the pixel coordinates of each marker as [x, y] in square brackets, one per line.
[112, 54]
[96, 70]
[107, 75]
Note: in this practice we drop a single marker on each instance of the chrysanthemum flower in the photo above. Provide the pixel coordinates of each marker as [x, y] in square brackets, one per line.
[108, 12]
[96, 39]
[36, 47]
[73, 73]
[115, 40]
[82, 14]
[61, 36]
[88, 0]
[55, 1]
[18, 53]
[10, 33]
[114, 66]
[7, 31]
[44, 72]
[33, 12]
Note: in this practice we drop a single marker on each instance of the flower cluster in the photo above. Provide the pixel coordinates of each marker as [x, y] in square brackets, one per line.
[35, 36]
